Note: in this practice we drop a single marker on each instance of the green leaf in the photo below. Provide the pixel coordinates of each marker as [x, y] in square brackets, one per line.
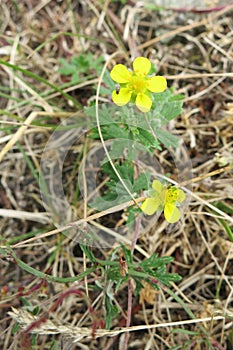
[166, 138]
[166, 279]
[142, 182]
[108, 85]
[43, 275]
[127, 253]
[178, 97]
[147, 140]
[88, 252]
[84, 64]
[15, 328]
[132, 212]
[155, 262]
[111, 311]
[116, 192]
[120, 282]
[184, 331]
[108, 114]
[26, 303]
[228, 210]
[113, 273]
[55, 345]
[3, 251]
[36, 310]
[67, 68]
[153, 268]
[34, 340]
[139, 286]
[165, 107]
[118, 147]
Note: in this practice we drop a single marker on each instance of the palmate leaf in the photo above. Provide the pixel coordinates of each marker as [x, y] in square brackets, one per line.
[166, 107]
[129, 124]
[125, 170]
[116, 126]
[116, 192]
[126, 142]
[83, 64]
[110, 123]
[142, 182]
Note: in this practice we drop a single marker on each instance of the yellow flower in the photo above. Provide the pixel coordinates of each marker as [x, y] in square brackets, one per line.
[164, 198]
[136, 86]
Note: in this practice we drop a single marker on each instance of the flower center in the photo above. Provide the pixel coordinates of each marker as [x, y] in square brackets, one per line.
[137, 84]
[171, 195]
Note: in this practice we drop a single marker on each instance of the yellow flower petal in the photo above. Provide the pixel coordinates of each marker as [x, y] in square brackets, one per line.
[122, 98]
[157, 84]
[149, 206]
[120, 74]
[171, 213]
[157, 186]
[181, 196]
[143, 102]
[141, 66]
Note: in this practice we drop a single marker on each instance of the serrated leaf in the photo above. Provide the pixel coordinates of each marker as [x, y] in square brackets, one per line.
[165, 107]
[142, 182]
[166, 138]
[147, 139]
[125, 170]
[116, 192]
[120, 189]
